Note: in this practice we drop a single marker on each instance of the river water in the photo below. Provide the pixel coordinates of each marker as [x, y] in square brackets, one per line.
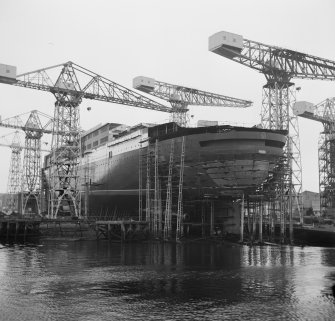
[90, 280]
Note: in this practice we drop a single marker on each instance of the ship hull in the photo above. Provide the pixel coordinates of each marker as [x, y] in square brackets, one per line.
[219, 162]
[322, 236]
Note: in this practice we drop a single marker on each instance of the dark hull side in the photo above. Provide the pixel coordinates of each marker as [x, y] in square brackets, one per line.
[314, 236]
[217, 163]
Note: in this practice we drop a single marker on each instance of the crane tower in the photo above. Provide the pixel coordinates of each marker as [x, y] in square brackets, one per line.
[14, 173]
[31, 174]
[324, 113]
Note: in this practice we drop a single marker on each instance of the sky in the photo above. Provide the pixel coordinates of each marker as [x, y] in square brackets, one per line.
[168, 41]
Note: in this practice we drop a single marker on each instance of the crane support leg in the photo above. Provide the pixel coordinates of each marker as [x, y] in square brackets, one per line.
[64, 158]
[277, 113]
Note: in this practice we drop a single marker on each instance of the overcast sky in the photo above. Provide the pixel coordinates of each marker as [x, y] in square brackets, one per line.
[166, 40]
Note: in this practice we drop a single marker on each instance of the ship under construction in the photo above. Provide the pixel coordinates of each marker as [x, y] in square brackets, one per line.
[135, 172]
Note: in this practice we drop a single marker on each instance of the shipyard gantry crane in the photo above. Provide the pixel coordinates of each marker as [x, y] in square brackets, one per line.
[70, 84]
[279, 67]
[14, 174]
[31, 173]
[180, 97]
[324, 113]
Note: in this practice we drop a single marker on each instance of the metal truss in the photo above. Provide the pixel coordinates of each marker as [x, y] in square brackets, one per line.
[31, 179]
[180, 97]
[80, 82]
[271, 60]
[276, 113]
[31, 175]
[14, 176]
[324, 112]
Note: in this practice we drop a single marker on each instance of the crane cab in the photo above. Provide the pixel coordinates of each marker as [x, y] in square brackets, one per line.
[7, 74]
[225, 44]
[145, 84]
[303, 107]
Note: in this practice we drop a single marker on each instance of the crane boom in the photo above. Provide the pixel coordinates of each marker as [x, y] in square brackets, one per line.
[271, 60]
[17, 122]
[323, 112]
[23, 147]
[187, 95]
[82, 83]
[180, 97]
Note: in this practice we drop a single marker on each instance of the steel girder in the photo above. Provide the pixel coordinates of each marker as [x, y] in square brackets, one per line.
[31, 177]
[180, 97]
[14, 177]
[276, 113]
[324, 112]
[327, 171]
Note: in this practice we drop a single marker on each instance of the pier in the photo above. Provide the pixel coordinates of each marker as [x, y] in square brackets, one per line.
[15, 228]
[121, 230]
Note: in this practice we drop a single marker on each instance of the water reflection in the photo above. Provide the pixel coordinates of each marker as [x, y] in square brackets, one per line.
[163, 281]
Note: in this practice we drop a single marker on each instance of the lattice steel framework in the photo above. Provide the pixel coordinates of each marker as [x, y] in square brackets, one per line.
[70, 85]
[324, 112]
[327, 170]
[180, 97]
[14, 175]
[279, 66]
[31, 174]
[277, 113]
[31, 177]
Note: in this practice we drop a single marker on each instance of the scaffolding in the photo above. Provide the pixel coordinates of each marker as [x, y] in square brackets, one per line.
[168, 203]
[163, 189]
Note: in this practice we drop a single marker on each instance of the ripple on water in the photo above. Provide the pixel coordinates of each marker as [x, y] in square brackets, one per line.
[199, 281]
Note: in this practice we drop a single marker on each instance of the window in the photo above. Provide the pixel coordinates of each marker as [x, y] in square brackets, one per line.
[103, 140]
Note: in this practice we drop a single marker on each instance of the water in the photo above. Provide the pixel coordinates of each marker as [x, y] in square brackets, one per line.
[91, 280]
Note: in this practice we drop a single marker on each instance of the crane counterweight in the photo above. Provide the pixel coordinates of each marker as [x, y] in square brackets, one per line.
[7, 74]
[225, 44]
[144, 84]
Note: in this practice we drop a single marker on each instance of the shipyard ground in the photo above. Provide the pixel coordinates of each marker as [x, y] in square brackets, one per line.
[27, 229]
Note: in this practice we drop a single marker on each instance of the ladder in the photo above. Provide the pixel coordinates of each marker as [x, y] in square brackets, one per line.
[168, 204]
[179, 229]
